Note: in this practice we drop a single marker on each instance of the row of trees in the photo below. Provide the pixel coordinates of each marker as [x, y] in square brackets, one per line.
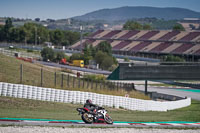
[133, 25]
[33, 33]
[172, 58]
[48, 54]
[102, 55]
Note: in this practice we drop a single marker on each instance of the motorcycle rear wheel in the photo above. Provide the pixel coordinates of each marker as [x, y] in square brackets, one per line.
[87, 119]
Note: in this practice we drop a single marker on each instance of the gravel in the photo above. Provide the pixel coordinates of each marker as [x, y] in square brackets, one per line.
[90, 130]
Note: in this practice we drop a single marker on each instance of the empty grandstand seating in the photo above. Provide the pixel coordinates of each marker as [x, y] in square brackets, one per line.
[151, 46]
[111, 34]
[161, 47]
[169, 35]
[190, 36]
[96, 33]
[163, 42]
[94, 44]
[192, 50]
[197, 52]
[84, 43]
[171, 48]
[121, 45]
[182, 48]
[148, 35]
[140, 46]
[109, 41]
[129, 34]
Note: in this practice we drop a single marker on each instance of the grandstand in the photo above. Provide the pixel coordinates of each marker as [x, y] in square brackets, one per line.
[144, 42]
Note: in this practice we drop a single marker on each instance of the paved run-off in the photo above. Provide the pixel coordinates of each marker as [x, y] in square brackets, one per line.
[116, 123]
[90, 130]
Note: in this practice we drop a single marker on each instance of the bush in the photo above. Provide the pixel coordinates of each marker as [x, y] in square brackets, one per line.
[113, 67]
[104, 47]
[97, 78]
[126, 59]
[171, 58]
[178, 27]
[76, 56]
[104, 60]
[48, 54]
[30, 50]
[59, 56]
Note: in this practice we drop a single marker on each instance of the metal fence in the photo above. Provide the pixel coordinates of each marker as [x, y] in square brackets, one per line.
[61, 79]
[13, 53]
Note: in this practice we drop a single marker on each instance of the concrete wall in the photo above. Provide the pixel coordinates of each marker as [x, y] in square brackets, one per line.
[159, 72]
[65, 96]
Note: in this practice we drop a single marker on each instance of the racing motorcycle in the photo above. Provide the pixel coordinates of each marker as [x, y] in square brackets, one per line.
[100, 116]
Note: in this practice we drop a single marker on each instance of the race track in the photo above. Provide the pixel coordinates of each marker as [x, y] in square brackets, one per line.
[80, 123]
[178, 91]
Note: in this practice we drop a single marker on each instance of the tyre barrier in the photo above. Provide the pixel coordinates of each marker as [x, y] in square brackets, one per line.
[66, 96]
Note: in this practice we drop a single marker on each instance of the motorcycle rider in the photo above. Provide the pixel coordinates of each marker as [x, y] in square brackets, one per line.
[92, 107]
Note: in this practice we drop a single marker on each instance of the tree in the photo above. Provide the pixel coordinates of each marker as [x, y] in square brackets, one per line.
[87, 54]
[178, 27]
[59, 56]
[1, 33]
[37, 19]
[31, 30]
[104, 47]
[6, 29]
[48, 54]
[56, 37]
[8, 24]
[132, 25]
[99, 57]
[14, 34]
[87, 50]
[22, 34]
[126, 59]
[42, 34]
[71, 37]
[171, 58]
[147, 27]
[107, 62]
[76, 56]
[93, 50]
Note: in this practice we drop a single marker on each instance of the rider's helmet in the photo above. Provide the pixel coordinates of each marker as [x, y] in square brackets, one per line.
[88, 101]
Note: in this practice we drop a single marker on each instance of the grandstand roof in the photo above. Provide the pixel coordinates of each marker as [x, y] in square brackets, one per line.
[146, 41]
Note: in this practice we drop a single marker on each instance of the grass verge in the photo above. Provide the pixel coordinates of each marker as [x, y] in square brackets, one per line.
[10, 72]
[23, 108]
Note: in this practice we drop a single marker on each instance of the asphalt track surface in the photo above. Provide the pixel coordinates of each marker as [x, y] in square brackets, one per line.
[179, 91]
[79, 123]
[73, 68]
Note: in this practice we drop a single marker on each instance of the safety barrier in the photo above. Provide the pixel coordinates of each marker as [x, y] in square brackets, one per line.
[65, 96]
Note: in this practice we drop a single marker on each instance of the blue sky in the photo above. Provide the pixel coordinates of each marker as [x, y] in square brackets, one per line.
[58, 9]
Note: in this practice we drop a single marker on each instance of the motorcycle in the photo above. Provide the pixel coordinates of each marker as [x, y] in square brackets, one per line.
[100, 116]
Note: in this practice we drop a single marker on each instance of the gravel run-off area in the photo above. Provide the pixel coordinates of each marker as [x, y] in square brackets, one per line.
[91, 130]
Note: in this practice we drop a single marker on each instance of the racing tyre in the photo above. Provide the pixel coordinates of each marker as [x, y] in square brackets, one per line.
[85, 117]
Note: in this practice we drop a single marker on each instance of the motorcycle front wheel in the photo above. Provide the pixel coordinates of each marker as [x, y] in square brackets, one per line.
[108, 119]
[87, 119]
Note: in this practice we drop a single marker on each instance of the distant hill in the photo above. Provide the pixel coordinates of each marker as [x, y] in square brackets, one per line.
[125, 13]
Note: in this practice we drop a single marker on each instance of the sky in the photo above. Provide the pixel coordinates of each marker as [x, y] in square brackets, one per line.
[61, 9]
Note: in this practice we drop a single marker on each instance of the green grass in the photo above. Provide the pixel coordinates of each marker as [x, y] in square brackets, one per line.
[23, 108]
[10, 72]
